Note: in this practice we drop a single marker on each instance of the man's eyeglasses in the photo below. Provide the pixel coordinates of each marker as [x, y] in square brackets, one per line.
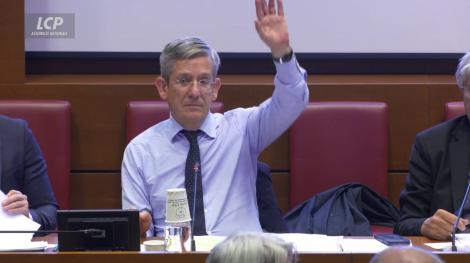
[186, 82]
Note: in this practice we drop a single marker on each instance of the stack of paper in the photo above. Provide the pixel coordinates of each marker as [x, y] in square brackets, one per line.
[17, 241]
[362, 245]
[206, 243]
[309, 243]
[313, 242]
[462, 242]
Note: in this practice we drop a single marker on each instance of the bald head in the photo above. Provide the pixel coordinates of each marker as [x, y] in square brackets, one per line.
[405, 255]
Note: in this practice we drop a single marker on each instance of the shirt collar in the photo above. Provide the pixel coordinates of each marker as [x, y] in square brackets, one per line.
[208, 127]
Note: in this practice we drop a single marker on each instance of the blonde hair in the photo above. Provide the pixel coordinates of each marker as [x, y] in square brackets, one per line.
[253, 247]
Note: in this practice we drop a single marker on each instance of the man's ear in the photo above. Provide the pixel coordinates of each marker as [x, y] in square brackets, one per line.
[162, 87]
[215, 88]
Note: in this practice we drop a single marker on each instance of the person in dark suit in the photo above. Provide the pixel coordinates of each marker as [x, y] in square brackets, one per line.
[270, 216]
[23, 175]
[439, 173]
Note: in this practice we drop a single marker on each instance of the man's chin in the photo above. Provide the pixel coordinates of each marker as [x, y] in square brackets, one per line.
[195, 115]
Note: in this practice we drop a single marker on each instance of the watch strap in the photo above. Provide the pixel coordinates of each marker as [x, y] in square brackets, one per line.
[285, 58]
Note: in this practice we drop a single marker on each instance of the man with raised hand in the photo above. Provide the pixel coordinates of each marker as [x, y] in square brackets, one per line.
[220, 150]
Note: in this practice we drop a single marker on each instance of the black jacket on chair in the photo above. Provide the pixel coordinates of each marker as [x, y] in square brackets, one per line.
[346, 210]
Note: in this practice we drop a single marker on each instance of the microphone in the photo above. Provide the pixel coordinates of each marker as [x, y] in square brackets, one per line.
[459, 215]
[196, 173]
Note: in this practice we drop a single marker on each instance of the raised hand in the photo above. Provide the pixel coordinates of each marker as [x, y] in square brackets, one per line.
[272, 27]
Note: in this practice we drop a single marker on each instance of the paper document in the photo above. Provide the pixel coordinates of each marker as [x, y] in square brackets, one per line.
[302, 242]
[29, 246]
[15, 223]
[313, 242]
[439, 245]
[361, 245]
[462, 242]
[206, 243]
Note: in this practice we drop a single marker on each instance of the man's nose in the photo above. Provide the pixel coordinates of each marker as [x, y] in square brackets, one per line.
[193, 89]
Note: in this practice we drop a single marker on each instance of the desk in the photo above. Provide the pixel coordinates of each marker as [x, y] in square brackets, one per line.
[196, 257]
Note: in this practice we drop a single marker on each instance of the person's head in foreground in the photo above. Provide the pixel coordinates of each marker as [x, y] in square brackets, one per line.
[408, 254]
[462, 77]
[253, 247]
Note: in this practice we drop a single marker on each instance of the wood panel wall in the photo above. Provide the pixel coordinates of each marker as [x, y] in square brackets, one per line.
[98, 112]
[12, 62]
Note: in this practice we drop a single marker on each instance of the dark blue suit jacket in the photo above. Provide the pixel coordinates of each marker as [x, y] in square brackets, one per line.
[345, 210]
[23, 168]
[270, 216]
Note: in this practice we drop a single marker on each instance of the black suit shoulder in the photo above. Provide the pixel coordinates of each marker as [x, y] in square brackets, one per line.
[440, 134]
[433, 143]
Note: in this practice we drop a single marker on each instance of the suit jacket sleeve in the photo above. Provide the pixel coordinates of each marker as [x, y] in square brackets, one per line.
[42, 202]
[270, 216]
[415, 199]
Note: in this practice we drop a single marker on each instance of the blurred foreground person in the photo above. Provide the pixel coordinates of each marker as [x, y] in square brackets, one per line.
[253, 248]
[405, 255]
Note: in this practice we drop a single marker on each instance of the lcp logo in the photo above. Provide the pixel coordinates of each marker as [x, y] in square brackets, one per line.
[49, 22]
[50, 25]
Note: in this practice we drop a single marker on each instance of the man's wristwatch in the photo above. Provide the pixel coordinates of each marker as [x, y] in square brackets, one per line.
[286, 58]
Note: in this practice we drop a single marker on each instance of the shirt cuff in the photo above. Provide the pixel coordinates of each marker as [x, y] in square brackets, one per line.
[289, 72]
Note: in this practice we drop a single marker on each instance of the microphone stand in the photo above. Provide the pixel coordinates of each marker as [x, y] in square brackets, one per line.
[459, 215]
[196, 172]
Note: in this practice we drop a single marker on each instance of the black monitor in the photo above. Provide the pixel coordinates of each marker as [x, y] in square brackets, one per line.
[104, 229]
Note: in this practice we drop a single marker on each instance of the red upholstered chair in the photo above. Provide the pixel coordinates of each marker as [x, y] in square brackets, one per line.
[453, 109]
[49, 121]
[141, 115]
[333, 143]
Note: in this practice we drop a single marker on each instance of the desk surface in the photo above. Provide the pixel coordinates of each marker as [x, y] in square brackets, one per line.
[137, 257]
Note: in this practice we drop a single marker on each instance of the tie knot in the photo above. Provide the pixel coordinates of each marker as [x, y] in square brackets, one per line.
[191, 136]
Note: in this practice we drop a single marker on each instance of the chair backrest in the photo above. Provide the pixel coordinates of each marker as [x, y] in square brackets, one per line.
[49, 120]
[332, 143]
[453, 109]
[141, 115]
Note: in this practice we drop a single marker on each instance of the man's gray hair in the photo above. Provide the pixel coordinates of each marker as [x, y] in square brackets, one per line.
[253, 247]
[186, 48]
[405, 254]
[462, 73]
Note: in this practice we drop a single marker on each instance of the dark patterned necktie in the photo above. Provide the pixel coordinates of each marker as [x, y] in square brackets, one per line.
[193, 168]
